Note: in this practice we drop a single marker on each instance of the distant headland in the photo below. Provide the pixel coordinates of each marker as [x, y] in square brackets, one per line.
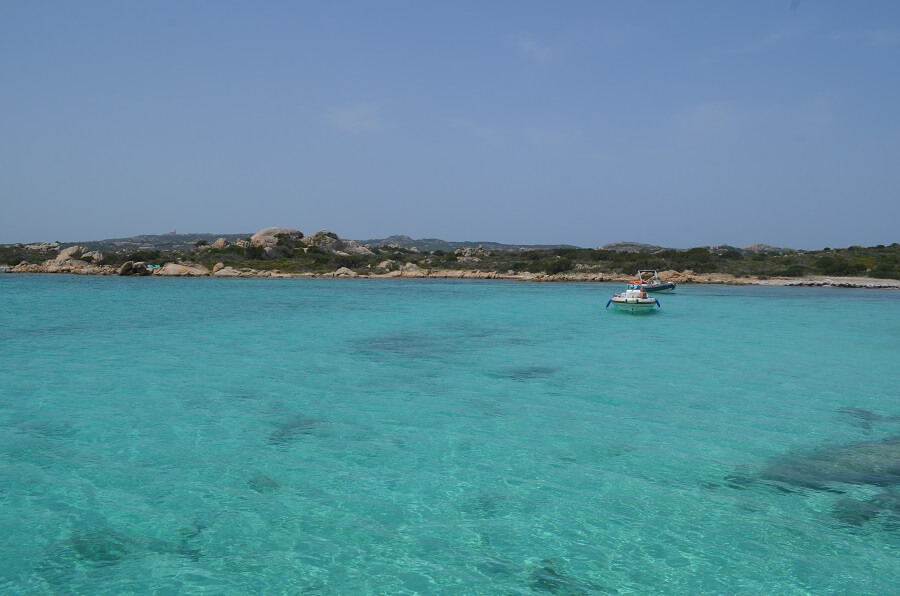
[287, 252]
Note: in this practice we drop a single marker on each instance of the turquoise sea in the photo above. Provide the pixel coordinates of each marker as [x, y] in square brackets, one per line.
[417, 437]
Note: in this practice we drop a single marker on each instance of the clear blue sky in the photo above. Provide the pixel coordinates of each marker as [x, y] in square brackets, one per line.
[673, 123]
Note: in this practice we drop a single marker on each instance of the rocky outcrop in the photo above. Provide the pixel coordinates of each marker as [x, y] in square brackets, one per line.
[181, 270]
[74, 266]
[75, 259]
[26, 267]
[325, 240]
[344, 272]
[354, 248]
[71, 253]
[685, 276]
[630, 247]
[65, 266]
[765, 248]
[254, 273]
[471, 253]
[229, 272]
[315, 237]
[330, 242]
[48, 246]
[134, 268]
[409, 270]
[829, 283]
[269, 237]
[220, 243]
[413, 270]
[471, 274]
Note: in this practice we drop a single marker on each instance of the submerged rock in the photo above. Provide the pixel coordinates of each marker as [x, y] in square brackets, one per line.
[292, 430]
[838, 469]
[855, 512]
[100, 547]
[874, 463]
[549, 576]
[262, 483]
[104, 547]
[834, 469]
[865, 418]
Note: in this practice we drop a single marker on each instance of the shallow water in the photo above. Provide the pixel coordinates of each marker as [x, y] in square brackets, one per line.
[413, 436]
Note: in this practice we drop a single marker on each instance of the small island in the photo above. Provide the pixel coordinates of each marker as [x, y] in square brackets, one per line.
[287, 253]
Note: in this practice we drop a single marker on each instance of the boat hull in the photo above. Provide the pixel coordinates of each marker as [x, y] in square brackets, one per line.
[634, 305]
[666, 287]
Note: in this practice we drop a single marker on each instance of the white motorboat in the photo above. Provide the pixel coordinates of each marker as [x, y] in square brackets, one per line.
[634, 299]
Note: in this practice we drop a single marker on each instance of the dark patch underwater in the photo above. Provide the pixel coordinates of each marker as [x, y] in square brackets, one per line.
[527, 373]
[293, 430]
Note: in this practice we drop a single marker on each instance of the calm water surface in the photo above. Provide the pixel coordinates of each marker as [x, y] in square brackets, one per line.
[375, 436]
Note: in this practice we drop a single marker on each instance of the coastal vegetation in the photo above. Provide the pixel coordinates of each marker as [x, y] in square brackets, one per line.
[324, 252]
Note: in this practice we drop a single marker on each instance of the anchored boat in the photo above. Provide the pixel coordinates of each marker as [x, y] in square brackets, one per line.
[654, 284]
[634, 299]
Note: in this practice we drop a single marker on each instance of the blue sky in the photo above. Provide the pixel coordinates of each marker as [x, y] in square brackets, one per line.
[673, 123]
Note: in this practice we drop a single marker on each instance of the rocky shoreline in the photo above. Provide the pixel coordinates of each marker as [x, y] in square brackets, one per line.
[411, 271]
[270, 244]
